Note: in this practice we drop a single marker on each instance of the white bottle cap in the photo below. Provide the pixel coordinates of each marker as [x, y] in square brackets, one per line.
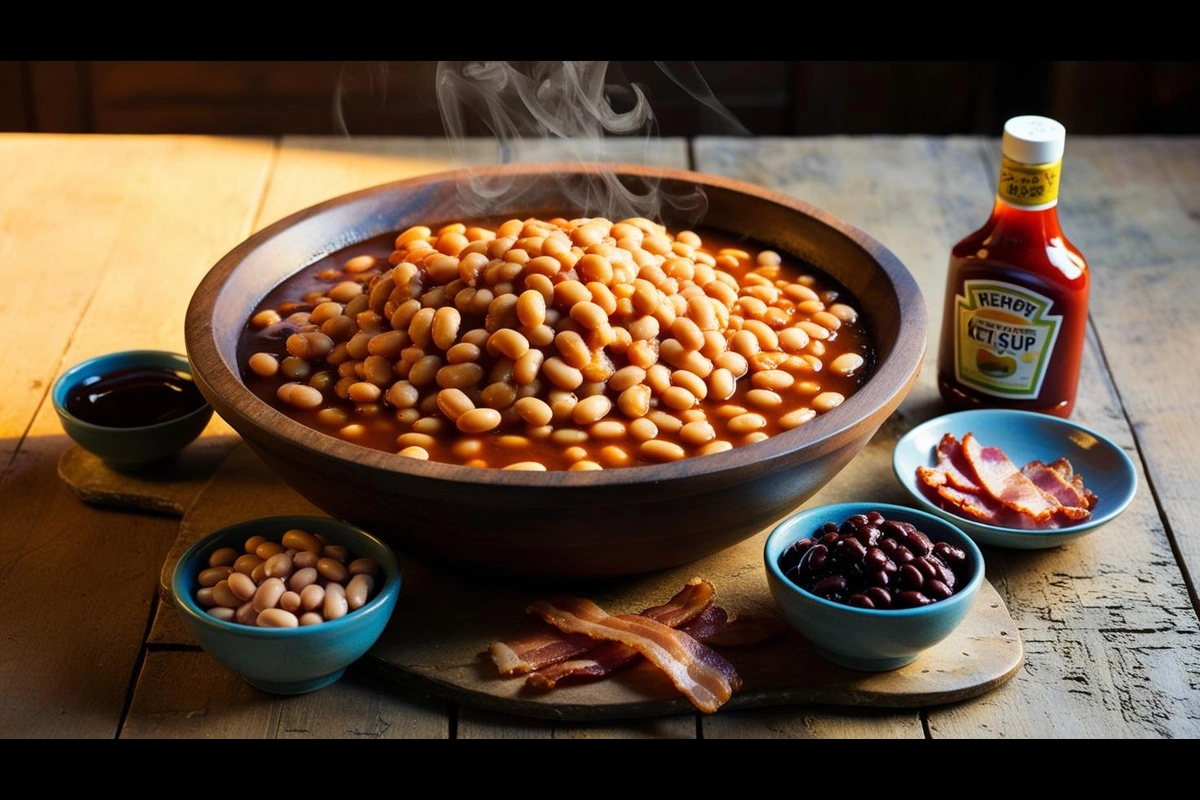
[1034, 140]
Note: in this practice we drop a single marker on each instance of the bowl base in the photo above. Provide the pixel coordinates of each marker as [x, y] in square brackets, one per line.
[296, 687]
[866, 664]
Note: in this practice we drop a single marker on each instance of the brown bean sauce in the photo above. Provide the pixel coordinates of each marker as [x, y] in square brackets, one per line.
[134, 397]
[381, 425]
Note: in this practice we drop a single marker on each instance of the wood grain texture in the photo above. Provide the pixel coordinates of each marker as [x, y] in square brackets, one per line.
[187, 695]
[114, 263]
[1109, 623]
[1145, 294]
[1109, 626]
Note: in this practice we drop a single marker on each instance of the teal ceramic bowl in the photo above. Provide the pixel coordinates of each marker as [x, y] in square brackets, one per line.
[1106, 470]
[869, 639]
[297, 660]
[145, 417]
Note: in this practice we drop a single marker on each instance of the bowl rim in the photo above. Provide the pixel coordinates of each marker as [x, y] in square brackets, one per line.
[900, 469]
[386, 595]
[65, 381]
[222, 384]
[781, 536]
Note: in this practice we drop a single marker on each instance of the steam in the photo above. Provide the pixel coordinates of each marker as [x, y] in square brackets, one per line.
[583, 106]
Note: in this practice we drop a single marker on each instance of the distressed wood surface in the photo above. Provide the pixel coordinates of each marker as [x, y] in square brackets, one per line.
[1109, 626]
[99, 251]
[1109, 622]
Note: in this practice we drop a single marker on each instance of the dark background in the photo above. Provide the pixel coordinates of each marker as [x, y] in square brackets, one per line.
[766, 97]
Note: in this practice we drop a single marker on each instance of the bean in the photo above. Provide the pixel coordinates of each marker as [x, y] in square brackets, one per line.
[902, 571]
[359, 590]
[276, 618]
[479, 420]
[296, 539]
[303, 578]
[278, 565]
[661, 450]
[331, 569]
[214, 575]
[268, 594]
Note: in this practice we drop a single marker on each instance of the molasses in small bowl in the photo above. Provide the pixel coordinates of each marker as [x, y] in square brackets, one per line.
[132, 409]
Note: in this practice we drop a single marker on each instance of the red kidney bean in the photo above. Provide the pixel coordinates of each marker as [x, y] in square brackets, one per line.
[868, 561]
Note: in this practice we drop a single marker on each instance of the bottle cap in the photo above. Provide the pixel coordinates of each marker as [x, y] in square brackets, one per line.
[1033, 140]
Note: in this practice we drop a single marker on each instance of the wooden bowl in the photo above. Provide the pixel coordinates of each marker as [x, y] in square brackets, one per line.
[558, 524]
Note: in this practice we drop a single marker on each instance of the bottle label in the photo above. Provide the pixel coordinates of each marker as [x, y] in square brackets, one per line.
[1031, 186]
[1004, 336]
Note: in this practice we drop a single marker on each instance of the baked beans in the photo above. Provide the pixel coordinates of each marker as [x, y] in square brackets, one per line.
[556, 344]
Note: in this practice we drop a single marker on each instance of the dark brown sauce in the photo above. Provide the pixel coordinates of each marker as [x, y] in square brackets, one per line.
[134, 397]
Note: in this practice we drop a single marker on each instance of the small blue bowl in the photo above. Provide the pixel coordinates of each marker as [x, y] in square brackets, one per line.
[288, 661]
[132, 446]
[872, 640]
[1024, 436]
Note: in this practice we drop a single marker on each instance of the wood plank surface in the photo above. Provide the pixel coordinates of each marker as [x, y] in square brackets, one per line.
[99, 251]
[1109, 626]
[1109, 622]
[1146, 289]
[182, 696]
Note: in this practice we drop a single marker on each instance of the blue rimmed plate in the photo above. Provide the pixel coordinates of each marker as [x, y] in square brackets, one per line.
[1024, 436]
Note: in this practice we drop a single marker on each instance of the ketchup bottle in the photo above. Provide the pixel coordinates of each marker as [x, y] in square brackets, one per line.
[1017, 291]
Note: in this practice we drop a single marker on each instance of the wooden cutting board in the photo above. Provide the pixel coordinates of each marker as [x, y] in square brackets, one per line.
[437, 639]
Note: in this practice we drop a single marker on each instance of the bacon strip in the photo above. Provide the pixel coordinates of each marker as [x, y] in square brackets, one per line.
[1000, 478]
[699, 672]
[539, 650]
[530, 653]
[1058, 480]
[981, 507]
[601, 661]
[981, 482]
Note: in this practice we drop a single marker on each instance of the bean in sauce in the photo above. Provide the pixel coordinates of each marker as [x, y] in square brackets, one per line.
[555, 344]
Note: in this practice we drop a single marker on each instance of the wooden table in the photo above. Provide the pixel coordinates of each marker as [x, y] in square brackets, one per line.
[103, 239]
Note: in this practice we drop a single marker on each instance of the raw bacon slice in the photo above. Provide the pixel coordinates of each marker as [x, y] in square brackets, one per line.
[698, 671]
[1000, 478]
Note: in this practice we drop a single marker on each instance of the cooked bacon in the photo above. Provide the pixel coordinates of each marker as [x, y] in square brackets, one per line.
[1003, 481]
[713, 627]
[601, 661]
[544, 648]
[698, 671]
[982, 483]
[953, 463]
[530, 653]
[1061, 481]
[1074, 501]
[982, 507]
